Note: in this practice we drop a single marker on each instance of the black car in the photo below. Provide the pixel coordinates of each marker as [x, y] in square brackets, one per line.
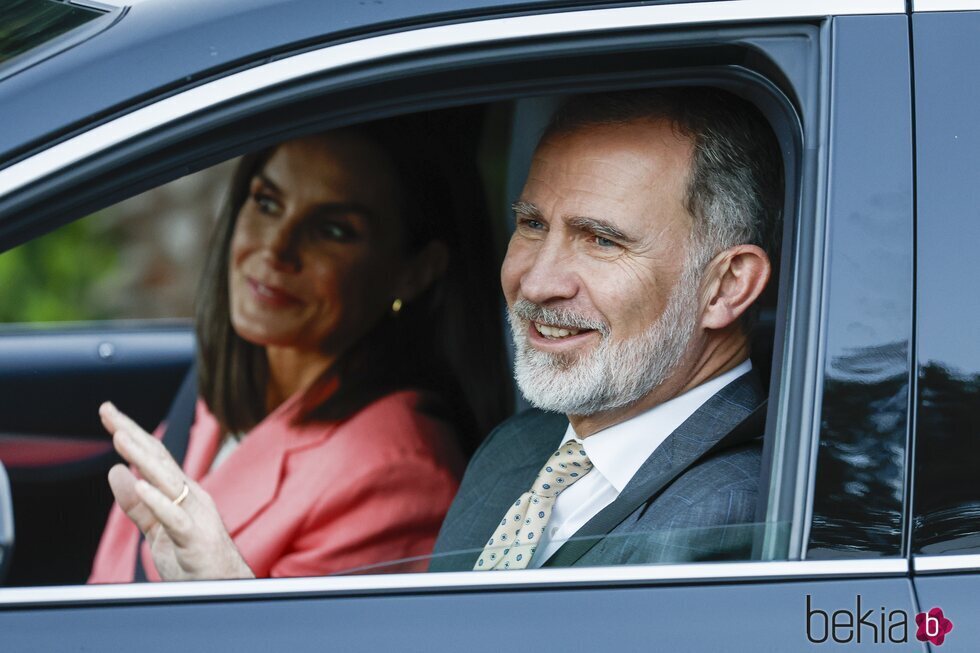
[873, 511]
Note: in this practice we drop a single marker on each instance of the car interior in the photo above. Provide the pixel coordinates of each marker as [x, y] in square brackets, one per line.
[56, 373]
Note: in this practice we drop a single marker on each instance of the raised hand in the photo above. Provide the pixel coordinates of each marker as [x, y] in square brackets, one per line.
[178, 518]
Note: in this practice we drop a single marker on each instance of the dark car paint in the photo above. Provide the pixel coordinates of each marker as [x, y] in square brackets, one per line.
[731, 618]
[166, 45]
[868, 193]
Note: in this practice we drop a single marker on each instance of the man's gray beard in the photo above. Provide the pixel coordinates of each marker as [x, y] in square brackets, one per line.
[614, 374]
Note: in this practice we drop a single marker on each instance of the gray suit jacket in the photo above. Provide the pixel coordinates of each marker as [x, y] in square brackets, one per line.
[690, 501]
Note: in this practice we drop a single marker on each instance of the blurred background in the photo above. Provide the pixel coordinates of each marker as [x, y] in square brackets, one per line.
[139, 259]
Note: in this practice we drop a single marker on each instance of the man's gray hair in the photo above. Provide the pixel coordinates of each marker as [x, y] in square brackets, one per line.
[735, 185]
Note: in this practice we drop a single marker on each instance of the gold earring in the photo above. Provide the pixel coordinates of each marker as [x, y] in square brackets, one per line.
[396, 306]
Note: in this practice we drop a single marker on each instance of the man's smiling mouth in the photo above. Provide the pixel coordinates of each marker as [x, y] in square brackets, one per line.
[555, 332]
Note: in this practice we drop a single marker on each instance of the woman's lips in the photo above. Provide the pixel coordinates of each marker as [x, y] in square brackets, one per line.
[271, 295]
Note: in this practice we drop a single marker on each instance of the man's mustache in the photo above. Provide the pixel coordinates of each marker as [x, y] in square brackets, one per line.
[559, 317]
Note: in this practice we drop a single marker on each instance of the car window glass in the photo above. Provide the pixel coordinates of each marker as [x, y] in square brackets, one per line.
[26, 24]
[734, 542]
[138, 259]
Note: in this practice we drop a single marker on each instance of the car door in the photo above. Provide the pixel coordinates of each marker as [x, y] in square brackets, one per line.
[832, 539]
[946, 540]
[62, 352]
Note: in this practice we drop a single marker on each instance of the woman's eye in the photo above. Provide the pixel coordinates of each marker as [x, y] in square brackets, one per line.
[334, 231]
[266, 204]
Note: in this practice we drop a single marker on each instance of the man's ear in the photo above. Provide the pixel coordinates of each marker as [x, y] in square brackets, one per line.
[735, 279]
[422, 271]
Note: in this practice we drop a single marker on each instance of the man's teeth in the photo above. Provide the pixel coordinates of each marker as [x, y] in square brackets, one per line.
[554, 332]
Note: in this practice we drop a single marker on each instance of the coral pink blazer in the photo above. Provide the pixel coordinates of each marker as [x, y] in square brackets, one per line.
[316, 498]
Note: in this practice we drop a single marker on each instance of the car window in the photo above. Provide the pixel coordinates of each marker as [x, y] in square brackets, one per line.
[730, 543]
[136, 260]
[142, 258]
[27, 24]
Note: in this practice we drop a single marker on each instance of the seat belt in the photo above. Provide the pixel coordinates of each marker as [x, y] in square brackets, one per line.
[176, 435]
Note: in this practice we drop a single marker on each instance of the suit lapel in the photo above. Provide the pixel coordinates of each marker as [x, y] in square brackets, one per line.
[510, 483]
[523, 449]
[723, 417]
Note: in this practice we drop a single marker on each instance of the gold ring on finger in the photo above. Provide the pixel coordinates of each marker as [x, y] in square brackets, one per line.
[184, 491]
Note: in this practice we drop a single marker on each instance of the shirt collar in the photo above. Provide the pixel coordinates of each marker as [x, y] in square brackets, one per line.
[618, 451]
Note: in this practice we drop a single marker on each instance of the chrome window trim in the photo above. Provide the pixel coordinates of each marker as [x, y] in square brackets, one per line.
[945, 5]
[371, 49]
[819, 280]
[945, 563]
[101, 5]
[719, 572]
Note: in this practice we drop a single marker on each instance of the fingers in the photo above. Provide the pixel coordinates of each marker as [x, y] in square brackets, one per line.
[123, 486]
[143, 451]
[173, 518]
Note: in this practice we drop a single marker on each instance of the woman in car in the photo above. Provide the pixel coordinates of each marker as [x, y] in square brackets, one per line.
[345, 308]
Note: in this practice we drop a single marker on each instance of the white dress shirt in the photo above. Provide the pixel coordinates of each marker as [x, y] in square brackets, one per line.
[617, 452]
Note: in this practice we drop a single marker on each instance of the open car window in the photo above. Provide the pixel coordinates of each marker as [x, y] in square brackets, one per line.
[145, 256]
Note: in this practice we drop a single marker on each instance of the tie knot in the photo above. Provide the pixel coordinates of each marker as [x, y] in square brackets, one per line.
[563, 468]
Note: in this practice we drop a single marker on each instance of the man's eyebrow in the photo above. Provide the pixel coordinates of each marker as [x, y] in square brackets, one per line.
[601, 228]
[525, 208]
[596, 226]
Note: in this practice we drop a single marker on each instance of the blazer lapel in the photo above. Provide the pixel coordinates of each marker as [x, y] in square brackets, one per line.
[734, 414]
[248, 481]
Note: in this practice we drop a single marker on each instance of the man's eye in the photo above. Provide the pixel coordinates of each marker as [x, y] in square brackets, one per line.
[531, 223]
[605, 242]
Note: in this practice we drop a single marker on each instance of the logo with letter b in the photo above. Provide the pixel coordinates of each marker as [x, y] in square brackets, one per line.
[933, 626]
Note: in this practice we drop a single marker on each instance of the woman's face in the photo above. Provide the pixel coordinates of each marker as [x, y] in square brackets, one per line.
[316, 252]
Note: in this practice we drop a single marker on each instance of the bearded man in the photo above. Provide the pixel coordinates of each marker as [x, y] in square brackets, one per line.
[643, 238]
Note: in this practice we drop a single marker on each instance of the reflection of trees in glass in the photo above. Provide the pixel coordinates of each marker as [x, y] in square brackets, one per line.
[138, 259]
[947, 500]
[857, 507]
[25, 24]
[56, 277]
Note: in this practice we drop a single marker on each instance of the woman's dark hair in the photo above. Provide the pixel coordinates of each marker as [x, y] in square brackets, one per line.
[448, 340]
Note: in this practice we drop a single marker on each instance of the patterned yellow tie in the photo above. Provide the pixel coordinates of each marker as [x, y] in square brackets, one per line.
[516, 538]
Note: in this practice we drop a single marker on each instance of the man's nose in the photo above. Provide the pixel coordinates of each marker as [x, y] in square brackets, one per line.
[551, 274]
